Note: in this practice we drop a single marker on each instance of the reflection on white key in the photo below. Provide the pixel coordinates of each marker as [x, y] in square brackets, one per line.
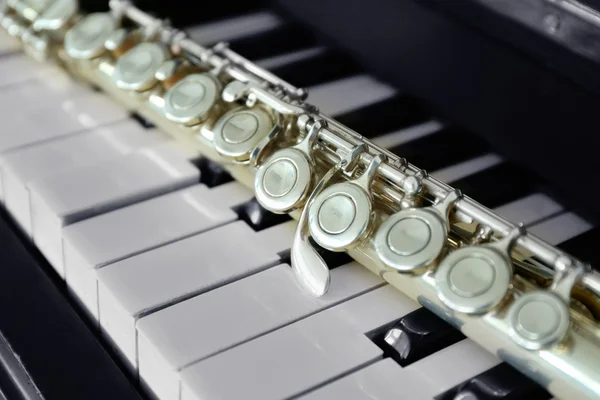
[108, 238]
[300, 356]
[171, 339]
[20, 166]
[40, 110]
[348, 94]
[71, 196]
[144, 283]
[406, 135]
[289, 58]
[459, 171]
[529, 209]
[454, 364]
[232, 28]
[561, 228]
[383, 380]
[20, 68]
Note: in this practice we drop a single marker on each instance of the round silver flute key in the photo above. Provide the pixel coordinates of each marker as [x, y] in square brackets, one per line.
[239, 131]
[135, 69]
[340, 216]
[474, 279]
[56, 16]
[190, 100]
[538, 319]
[414, 238]
[85, 40]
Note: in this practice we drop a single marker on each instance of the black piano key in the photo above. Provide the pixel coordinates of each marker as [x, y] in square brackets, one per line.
[211, 173]
[584, 247]
[441, 149]
[281, 40]
[421, 333]
[324, 67]
[389, 115]
[40, 328]
[142, 121]
[501, 382]
[258, 217]
[497, 185]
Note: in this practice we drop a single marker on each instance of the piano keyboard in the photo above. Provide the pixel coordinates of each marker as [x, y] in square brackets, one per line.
[180, 271]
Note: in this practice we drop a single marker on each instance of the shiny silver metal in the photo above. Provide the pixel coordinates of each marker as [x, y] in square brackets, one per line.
[135, 69]
[398, 341]
[414, 238]
[341, 215]
[56, 15]
[85, 40]
[475, 279]
[190, 100]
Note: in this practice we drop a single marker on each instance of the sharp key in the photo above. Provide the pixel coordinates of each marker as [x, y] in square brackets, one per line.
[497, 185]
[319, 69]
[211, 173]
[282, 39]
[529, 209]
[454, 364]
[443, 148]
[169, 340]
[94, 243]
[416, 336]
[40, 110]
[232, 28]
[23, 165]
[22, 68]
[300, 356]
[501, 382]
[71, 196]
[258, 217]
[584, 246]
[397, 112]
[560, 228]
[137, 286]
[345, 95]
[383, 380]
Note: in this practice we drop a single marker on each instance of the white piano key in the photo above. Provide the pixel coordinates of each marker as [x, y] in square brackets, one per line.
[529, 209]
[8, 44]
[232, 28]
[169, 274]
[21, 68]
[406, 135]
[35, 111]
[560, 228]
[108, 238]
[470, 167]
[288, 58]
[454, 364]
[292, 360]
[169, 340]
[20, 166]
[383, 380]
[71, 196]
[348, 94]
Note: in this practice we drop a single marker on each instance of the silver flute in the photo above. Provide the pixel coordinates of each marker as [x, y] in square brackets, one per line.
[526, 301]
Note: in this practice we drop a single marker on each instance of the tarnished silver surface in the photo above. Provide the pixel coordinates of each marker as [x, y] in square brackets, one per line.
[135, 69]
[190, 99]
[86, 39]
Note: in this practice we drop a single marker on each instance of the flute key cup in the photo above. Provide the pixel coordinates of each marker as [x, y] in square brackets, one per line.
[86, 39]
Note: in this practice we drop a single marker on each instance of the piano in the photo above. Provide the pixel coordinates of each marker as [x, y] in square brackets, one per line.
[131, 268]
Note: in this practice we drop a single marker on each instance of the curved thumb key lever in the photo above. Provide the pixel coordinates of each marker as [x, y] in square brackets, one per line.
[311, 271]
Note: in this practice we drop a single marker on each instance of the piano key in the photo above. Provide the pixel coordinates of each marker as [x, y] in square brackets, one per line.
[584, 246]
[169, 340]
[319, 69]
[289, 58]
[406, 135]
[35, 111]
[282, 39]
[292, 360]
[20, 166]
[71, 196]
[391, 114]
[8, 45]
[142, 284]
[529, 209]
[211, 173]
[258, 217]
[348, 94]
[44, 337]
[560, 228]
[467, 168]
[96, 242]
[383, 380]
[444, 148]
[500, 382]
[496, 185]
[21, 68]
[416, 336]
[232, 28]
